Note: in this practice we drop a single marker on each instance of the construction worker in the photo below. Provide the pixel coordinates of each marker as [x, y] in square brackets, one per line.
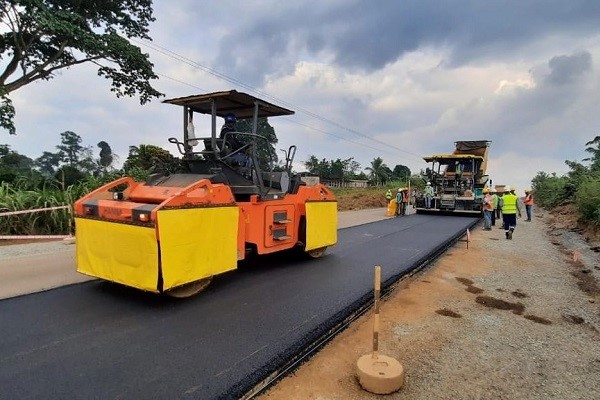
[428, 193]
[510, 210]
[402, 200]
[399, 202]
[405, 195]
[488, 209]
[233, 144]
[528, 201]
[495, 203]
[388, 196]
[499, 209]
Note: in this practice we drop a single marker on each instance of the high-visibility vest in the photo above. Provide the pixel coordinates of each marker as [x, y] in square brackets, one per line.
[528, 200]
[509, 203]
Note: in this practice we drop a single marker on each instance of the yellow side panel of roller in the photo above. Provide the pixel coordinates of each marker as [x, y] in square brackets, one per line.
[197, 243]
[321, 224]
[122, 253]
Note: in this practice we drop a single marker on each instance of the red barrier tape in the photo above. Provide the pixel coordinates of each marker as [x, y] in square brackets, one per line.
[3, 214]
[26, 237]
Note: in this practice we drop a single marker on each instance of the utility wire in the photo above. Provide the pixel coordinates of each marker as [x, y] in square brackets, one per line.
[194, 64]
[285, 120]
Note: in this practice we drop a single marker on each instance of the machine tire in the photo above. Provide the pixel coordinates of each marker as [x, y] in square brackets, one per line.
[316, 253]
[189, 289]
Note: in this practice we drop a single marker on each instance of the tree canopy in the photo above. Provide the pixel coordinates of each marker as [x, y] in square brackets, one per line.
[379, 172]
[41, 37]
[333, 169]
[265, 148]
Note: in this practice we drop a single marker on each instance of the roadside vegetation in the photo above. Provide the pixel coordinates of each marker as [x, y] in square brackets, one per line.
[72, 169]
[59, 178]
[579, 188]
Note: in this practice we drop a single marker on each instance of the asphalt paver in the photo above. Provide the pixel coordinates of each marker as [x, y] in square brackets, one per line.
[101, 340]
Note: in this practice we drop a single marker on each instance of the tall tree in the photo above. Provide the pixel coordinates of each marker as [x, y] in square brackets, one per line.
[106, 155]
[593, 147]
[41, 37]
[48, 162]
[70, 147]
[13, 164]
[146, 159]
[378, 171]
[401, 172]
[312, 165]
[265, 148]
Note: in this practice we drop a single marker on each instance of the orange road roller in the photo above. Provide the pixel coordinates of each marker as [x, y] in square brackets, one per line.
[174, 232]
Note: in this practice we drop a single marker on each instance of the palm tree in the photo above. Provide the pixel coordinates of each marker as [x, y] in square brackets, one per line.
[378, 171]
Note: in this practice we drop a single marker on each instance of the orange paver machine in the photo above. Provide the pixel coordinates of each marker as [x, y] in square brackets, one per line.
[174, 232]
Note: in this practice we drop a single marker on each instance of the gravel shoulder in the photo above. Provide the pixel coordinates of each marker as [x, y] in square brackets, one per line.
[503, 319]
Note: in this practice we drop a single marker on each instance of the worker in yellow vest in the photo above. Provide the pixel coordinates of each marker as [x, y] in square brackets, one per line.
[496, 204]
[510, 210]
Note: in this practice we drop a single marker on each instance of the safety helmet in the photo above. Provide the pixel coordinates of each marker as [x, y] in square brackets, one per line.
[399, 189]
[428, 183]
[507, 188]
[230, 118]
[492, 190]
[527, 190]
[486, 190]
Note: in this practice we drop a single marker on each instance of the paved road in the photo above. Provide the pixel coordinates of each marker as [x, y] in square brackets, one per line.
[100, 340]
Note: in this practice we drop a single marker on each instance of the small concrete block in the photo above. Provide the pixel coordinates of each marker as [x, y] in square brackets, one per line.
[381, 375]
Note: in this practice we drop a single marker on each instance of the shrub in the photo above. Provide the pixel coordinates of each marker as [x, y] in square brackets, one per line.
[551, 190]
[587, 199]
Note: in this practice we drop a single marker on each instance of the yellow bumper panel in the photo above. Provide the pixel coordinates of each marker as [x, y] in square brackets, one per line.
[321, 224]
[197, 243]
[121, 253]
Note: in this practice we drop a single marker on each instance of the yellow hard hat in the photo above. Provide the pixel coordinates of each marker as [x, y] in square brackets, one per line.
[486, 190]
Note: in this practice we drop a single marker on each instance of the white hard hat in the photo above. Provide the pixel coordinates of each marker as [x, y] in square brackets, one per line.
[492, 190]
[428, 183]
[507, 188]
[399, 189]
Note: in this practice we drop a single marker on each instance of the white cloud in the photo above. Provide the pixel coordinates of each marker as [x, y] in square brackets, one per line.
[533, 93]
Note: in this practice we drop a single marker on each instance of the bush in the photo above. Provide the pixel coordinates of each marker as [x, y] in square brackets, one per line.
[551, 191]
[587, 199]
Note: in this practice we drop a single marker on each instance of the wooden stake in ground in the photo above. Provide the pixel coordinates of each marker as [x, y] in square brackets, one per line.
[378, 373]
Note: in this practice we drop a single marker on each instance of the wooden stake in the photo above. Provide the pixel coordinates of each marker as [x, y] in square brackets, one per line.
[376, 309]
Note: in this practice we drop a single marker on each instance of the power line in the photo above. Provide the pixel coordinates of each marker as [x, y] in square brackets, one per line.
[194, 64]
[285, 120]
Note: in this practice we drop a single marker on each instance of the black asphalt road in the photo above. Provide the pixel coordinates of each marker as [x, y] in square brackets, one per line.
[98, 340]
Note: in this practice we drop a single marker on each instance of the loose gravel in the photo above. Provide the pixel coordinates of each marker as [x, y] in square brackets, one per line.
[503, 319]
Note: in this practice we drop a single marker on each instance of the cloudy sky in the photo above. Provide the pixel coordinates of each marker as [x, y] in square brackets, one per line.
[392, 79]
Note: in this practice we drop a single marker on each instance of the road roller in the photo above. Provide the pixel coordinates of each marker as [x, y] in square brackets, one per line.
[174, 232]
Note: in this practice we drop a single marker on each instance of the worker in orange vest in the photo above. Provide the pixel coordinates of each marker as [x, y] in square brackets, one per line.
[488, 209]
[528, 201]
[402, 200]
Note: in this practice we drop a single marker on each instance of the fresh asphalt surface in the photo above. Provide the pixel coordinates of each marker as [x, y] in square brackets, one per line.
[98, 340]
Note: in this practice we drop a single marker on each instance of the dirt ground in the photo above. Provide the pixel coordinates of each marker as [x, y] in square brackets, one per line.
[501, 319]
